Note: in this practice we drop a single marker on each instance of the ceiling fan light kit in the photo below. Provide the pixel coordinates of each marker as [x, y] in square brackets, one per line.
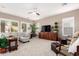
[35, 11]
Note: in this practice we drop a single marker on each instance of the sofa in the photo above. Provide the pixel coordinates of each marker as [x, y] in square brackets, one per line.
[59, 48]
[69, 49]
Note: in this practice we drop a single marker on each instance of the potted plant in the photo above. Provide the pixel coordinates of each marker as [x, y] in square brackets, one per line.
[33, 29]
[3, 44]
[56, 27]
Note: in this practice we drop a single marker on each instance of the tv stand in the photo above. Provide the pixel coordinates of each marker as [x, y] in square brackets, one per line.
[48, 35]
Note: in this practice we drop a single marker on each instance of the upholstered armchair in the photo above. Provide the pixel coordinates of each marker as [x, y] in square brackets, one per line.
[24, 37]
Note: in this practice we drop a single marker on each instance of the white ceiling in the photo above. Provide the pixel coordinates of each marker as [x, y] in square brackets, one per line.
[45, 9]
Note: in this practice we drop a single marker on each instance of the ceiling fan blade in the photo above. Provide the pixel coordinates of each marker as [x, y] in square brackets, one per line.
[38, 14]
[30, 12]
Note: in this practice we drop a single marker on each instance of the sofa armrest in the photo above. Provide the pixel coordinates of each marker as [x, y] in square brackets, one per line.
[77, 53]
[78, 48]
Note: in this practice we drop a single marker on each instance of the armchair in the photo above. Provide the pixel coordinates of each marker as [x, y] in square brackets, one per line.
[24, 37]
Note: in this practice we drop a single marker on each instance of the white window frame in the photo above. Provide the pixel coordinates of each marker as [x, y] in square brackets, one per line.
[72, 23]
[21, 26]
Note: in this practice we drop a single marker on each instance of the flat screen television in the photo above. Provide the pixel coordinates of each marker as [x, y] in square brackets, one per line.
[46, 28]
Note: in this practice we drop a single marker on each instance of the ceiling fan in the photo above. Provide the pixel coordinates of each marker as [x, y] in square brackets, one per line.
[35, 11]
[64, 4]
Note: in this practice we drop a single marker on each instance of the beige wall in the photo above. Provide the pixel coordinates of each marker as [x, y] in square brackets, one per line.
[51, 19]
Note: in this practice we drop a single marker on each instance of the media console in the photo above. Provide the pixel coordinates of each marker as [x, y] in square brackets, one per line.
[49, 36]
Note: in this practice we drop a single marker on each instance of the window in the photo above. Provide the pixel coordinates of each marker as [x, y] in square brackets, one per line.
[68, 26]
[14, 26]
[38, 26]
[24, 27]
[2, 26]
[28, 28]
[7, 25]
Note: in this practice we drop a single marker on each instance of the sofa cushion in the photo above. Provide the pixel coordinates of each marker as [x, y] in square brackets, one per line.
[64, 51]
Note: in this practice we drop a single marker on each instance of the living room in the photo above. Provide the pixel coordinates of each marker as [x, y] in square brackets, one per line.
[39, 29]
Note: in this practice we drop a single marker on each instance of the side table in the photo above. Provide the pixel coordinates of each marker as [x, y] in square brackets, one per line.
[13, 45]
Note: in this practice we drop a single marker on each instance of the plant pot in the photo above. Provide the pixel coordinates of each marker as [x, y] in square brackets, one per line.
[3, 50]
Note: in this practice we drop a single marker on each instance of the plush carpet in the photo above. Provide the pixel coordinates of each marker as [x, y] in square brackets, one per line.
[36, 47]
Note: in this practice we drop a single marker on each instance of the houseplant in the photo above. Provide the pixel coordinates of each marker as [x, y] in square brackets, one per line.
[3, 44]
[33, 29]
[56, 27]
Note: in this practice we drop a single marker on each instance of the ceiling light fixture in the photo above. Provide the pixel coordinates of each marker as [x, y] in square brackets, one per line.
[35, 10]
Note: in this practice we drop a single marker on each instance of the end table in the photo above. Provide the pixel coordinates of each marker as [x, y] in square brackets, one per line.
[13, 45]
